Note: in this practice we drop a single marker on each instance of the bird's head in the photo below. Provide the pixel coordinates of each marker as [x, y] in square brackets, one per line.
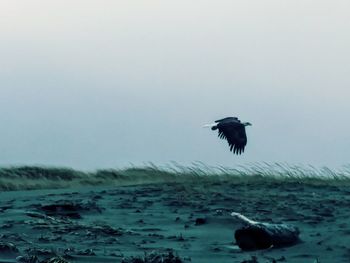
[247, 124]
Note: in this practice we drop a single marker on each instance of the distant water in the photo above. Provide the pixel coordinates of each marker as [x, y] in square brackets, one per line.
[36, 177]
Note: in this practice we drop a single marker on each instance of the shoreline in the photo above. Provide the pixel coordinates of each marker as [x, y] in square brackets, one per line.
[118, 222]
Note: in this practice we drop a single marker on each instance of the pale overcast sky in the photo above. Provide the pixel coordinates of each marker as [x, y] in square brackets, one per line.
[101, 84]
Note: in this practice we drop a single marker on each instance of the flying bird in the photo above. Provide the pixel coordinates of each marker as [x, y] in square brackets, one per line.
[232, 130]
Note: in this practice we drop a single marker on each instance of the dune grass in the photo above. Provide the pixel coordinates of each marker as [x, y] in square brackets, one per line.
[36, 177]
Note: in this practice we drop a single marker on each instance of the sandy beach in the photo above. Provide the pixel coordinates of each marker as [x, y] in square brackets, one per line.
[174, 131]
[190, 221]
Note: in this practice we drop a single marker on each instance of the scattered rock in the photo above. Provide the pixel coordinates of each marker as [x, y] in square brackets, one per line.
[200, 221]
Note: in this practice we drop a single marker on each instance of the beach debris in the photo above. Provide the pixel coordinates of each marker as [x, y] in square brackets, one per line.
[68, 209]
[8, 248]
[6, 225]
[41, 252]
[64, 209]
[253, 259]
[55, 260]
[27, 259]
[107, 230]
[154, 257]
[219, 212]
[200, 221]
[86, 252]
[257, 235]
[180, 238]
[35, 259]
[5, 207]
[37, 215]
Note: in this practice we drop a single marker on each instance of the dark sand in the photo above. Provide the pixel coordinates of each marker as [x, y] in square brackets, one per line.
[111, 224]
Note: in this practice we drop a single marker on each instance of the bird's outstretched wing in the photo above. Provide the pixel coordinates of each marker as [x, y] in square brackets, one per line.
[234, 133]
[228, 119]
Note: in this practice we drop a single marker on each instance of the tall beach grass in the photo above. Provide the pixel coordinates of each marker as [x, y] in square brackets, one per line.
[40, 177]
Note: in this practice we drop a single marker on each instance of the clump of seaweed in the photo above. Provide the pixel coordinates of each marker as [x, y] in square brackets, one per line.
[34, 259]
[154, 257]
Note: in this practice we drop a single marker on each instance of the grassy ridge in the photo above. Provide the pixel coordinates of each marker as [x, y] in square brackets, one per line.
[35, 177]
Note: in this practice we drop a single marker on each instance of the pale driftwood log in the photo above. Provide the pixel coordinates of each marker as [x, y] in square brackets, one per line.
[257, 235]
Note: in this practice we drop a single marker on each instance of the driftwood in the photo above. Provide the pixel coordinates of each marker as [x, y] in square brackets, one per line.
[257, 235]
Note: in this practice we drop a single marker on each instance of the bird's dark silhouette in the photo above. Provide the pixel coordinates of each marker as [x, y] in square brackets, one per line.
[232, 130]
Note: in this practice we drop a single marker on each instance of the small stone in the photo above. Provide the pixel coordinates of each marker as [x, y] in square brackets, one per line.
[200, 221]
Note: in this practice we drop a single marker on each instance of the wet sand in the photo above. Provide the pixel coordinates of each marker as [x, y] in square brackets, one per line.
[190, 220]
